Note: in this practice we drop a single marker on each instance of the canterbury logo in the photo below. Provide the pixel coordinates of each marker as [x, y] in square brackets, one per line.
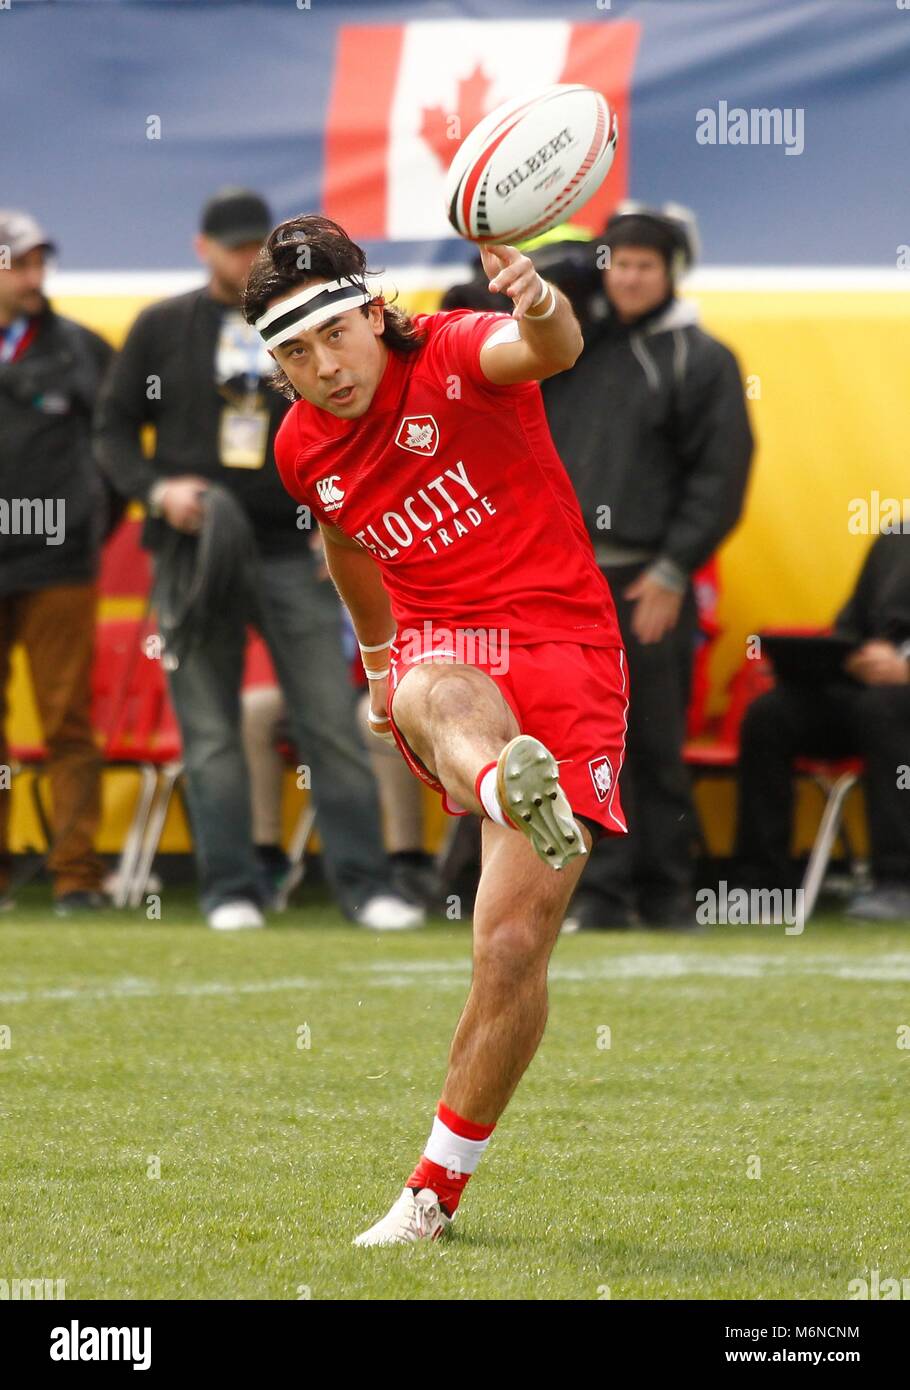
[330, 496]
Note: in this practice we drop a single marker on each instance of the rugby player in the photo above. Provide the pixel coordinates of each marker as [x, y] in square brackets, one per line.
[487, 630]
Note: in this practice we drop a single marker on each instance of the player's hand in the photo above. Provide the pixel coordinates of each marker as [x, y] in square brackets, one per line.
[513, 274]
[181, 503]
[380, 724]
[878, 663]
[656, 609]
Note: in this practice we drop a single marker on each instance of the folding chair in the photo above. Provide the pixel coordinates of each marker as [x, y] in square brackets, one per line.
[132, 711]
[835, 779]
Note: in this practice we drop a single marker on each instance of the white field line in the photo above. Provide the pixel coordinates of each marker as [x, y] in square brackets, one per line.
[147, 989]
[397, 974]
[671, 965]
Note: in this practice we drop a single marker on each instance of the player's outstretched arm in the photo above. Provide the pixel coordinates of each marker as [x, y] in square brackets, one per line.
[549, 338]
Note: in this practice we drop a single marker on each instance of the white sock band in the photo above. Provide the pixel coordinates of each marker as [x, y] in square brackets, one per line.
[451, 1150]
[489, 798]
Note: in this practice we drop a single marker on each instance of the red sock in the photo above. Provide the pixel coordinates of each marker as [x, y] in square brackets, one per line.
[452, 1152]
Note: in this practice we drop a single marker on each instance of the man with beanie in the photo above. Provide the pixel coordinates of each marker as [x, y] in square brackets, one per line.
[651, 423]
[52, 514]
[194, 369]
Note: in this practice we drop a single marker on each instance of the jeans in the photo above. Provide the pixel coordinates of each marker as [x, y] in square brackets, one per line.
[299, 618]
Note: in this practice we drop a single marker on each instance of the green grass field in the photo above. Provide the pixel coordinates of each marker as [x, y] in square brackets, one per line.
[621, 1168]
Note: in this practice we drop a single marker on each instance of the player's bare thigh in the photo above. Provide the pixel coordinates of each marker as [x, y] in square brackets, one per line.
[440, 696]
[521, 902]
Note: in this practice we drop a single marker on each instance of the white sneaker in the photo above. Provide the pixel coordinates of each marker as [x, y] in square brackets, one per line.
[388, 913]
[527, 784]
[235, 916]
[415, 1216]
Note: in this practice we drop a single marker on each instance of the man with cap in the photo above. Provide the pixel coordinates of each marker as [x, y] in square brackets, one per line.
[652, 426]
[51, 523]
[192, 368]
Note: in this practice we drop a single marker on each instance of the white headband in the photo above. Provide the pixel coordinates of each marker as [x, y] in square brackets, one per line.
[310, 308]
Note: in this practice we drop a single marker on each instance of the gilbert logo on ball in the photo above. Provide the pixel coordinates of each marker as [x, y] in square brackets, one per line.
[531, 163]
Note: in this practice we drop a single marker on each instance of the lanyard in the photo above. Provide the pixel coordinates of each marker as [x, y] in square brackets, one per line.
[243, 354]
[9, 343]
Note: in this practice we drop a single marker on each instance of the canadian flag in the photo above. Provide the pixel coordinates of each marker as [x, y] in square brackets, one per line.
[404, 96]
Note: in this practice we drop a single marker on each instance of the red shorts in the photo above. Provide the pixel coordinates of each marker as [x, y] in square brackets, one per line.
[573, 698]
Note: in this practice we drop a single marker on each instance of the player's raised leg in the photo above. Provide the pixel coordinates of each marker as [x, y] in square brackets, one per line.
[454, 718]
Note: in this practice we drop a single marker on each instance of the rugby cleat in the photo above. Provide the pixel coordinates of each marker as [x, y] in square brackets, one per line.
[415, 1216]
[527, 784]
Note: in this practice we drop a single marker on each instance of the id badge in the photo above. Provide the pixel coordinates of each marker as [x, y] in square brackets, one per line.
[244, 436]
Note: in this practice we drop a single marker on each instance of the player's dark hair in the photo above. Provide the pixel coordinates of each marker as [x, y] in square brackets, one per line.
[308, 248]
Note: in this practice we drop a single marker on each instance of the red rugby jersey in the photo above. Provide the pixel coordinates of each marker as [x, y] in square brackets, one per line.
[455, 487]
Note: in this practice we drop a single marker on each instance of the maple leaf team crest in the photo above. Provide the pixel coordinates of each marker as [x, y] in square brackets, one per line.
[601, 770]
[418, 432]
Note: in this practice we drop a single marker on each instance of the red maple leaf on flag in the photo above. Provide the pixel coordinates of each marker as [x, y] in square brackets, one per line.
[441, 132]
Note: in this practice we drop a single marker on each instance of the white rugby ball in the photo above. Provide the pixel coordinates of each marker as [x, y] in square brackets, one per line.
[531, 163]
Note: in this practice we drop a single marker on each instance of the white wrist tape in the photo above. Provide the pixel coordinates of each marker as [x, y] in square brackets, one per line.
[386, 734]
[552, 309]
[377, 675]
[380, 646]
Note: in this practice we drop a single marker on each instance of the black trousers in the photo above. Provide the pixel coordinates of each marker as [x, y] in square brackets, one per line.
[834, 721]
[651, 868]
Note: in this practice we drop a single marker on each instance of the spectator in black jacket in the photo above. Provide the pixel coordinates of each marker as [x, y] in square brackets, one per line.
[865, 715]
[51, 521]
[194, 369]
[651, 424]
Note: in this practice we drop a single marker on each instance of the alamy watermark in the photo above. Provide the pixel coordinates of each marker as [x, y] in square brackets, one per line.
[755, 907]
[875, 1287]
[876, 515]
[79, 1343]
[34, 516]
[469, 646]
[755, 125]
[18, 1290]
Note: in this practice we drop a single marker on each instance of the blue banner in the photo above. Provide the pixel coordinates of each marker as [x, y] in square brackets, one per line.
[786, 127]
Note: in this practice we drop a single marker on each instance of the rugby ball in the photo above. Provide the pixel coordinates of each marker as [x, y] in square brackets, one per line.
[530, 164]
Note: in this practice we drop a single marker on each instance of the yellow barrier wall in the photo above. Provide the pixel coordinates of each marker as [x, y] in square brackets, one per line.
[827, 375]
